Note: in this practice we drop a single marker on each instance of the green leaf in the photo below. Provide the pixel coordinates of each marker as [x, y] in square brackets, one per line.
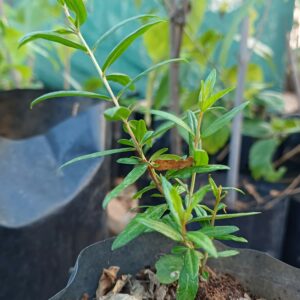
[217, 231]
[122, 79]
[62, 94]
[202, 241]
[187, 172]
[260, 160]
[207, 88]
[129, 161]
[117, 113]
[162, 129]
[121, 24]
[155, 48]
[197, 198]
[168, 268]
[134, 228]
[201, 158]
[125, 43]
[97, 155]
[188, 283]
[173, 199]
[78, 7]
[179, 250]
[146, 72]
[126, 142]
[172, 118]
[162, 228]
[214, 98]
[49, 36]
[140, 193]
[228, 253]
[139, 128]
[214, 187]
[233, 238]
[131, 178]
[158, 153]
[224, 216]
[222, 121]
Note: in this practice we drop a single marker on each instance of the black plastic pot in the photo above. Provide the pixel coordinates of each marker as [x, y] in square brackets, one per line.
[47, 216]
[261, 274]
[291, 250]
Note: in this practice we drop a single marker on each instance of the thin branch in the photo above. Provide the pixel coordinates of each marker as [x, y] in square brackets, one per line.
[287, 156]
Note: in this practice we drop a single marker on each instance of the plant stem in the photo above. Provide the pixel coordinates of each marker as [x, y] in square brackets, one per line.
[198, 143]
[138, 147]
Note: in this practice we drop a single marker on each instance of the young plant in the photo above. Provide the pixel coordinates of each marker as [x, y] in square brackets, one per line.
[173, 177]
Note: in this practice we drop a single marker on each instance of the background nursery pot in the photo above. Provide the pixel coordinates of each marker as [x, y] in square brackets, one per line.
[291, 250]
[262, 274]
[47, 216]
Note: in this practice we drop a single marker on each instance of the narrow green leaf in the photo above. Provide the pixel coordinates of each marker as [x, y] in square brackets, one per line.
[187, 172]
[224, 216]
[172, 118]
[62, 94]
[197, 198]
[146, 72]
[117, 113]
[162, 228]
[131, 178]
[50, 36]
[121, 24]
[179, 250]
[158, 153]
[120, 78]
[126, 42]
[202, 241]
[168, 268]
[140, 193]
[126, 142]
[134, 228]
[217, 231]
[173, 199]
[129, 161]
[228, 253]
[233, 238]
[214, 98]
[188, 283]
[78, 7]
[97, 155]
[192, 121]
[170, 157]
[223, 120]
[213, 187]
[207, 88]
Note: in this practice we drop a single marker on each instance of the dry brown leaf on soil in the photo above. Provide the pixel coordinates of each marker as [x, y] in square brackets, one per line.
[137, 290]
[161, 292]
[120, 284]
[107, 281]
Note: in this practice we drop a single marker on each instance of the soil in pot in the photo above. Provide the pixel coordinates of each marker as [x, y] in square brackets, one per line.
[145, 285]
